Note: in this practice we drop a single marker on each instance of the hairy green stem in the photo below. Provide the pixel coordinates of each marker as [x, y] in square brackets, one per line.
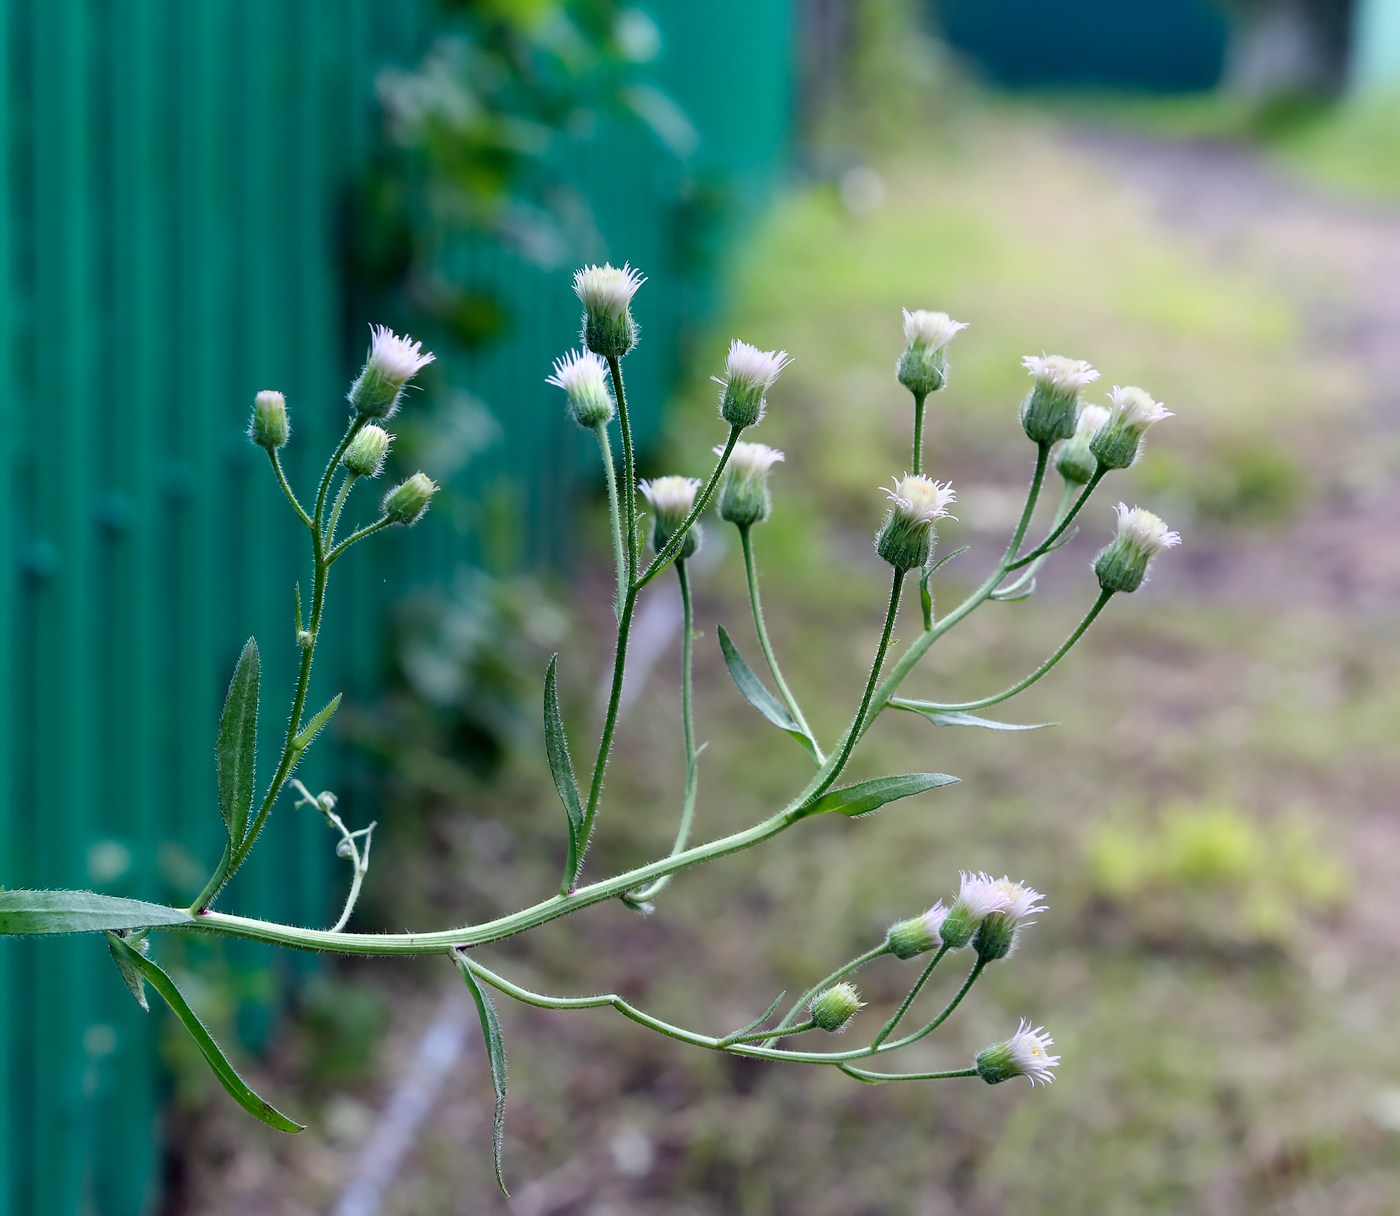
[888, 1028]
[624, 574]
[345, 487]
[783, 1027]
[919, 399]
[629, 468]
[702, 500]
[972, 978]
[287, 489]
[1058, 530]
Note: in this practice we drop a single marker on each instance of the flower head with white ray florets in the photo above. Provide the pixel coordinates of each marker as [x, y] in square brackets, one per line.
[584, 377]
[905, 539]
[606, 294]
[1051, 409]
[931, 330]
[1059, 373]
[1074, 460]
[1022, 1055]
[1118, 443]
[1122, 564]
[744, 498]
[392, 362]
[982, 897]
[996, 935]
[923, 368]
[748, 375]
[672, 499]
[918, 934]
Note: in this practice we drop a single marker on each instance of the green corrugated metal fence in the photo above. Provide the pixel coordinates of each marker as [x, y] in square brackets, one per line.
[173, 177]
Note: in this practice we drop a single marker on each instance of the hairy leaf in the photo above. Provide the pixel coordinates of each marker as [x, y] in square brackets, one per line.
[495, 1056]
[757, 695]
[953, 717]
[129, 973]
[238, 743]
[228, 1077]
[313, 728]
[867, 796]
[556, 745]
[80, 912]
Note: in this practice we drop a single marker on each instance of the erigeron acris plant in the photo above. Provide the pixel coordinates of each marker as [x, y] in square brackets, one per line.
[985, 916]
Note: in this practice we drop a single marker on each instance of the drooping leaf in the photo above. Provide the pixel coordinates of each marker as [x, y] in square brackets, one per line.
[867, 796]
[228, 1077]
[556, 745]
[238, 743]
[495, 1056]
[953, 717]
[80, 912]
[313, 728]
[129, 973]
[757, 694]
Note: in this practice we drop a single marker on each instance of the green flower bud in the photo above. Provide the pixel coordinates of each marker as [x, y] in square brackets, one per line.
[365, 455]
[407, 502]
[1122, 564]
[833, 1009]
[744, 498]
[672, 499]
[905, 539]
[923, 368]
[606, 294]
[1022, 1055]
[918, 935]
[269, 427]
[1077, 464]
[584, 377]
[1118, 443]
[392, 363]
[1049, 413]
[748, 375]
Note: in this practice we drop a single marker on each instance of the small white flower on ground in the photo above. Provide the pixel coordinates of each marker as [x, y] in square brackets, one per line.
[607, 291]
[930, 330]
[1059, 373]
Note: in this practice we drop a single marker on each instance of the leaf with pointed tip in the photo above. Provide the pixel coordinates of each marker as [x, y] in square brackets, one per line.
[755, 1024]
[556, 746]
[926, 600]
[757, 694]
[228, 1077]
[495, 1056]
[129, 973]
[954, 717]
[313, 728]
[238, 744]
[81, 912]
[867, 796]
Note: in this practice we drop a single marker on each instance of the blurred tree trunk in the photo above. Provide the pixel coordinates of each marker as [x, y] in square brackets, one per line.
[1287, 48]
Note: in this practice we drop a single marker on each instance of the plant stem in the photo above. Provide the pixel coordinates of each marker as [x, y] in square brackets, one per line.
[702, 500]
[286, 487]
[888, 1028]
[624, 573]
[800, 1004]
[1044, 547]
[341, 496]
[629, 468]
[972, 977]
[918, 432]
[751, 569]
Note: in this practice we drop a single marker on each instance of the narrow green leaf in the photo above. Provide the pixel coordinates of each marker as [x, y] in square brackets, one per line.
[755, 1024]
[238, 744]
[495, 1056]
[926, 600]
[953, 717]
[757, 694]
[556, 745]
[228, 1077]
[129, 973]
[80, 912]
[313, 728]
[867, 796]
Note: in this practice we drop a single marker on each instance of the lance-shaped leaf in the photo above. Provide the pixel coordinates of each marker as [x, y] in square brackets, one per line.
[867, 796]
[130, 974]
[238, 744]
[81, 912]
[495, 1056]
[953, 717]
[313, 728]
[556, 745]
[757, 694]
[228, 1077]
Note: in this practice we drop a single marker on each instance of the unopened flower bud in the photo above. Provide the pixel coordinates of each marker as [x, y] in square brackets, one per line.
[918, 934]
[979, 895]
[748, 375]
[365, 455]
[1118, 443]
[744, 498]
[606, 293]
[584, 377]
[1022, 1055]
[392, 362]
[407, 502]
[1077, 464]
[1122, 564]
[1049, 412]
[996, 935]
[923, 369]
[672, 499]
[306, 639]
[269, 427]
[833, 1009]
[905, 539]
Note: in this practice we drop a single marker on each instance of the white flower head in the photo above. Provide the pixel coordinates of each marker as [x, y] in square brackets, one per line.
[748, 369]
[607, 291]
[980, 894]
[584, 377]
[920, 500]
[1018, 901]
[1143, 532]
[933, 921]
[749, 459]
[1063, 375]
[671, 497]
[397, 359]
[1091, 418]
[930, 330]
[1135, 409]
[1027, 1051]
